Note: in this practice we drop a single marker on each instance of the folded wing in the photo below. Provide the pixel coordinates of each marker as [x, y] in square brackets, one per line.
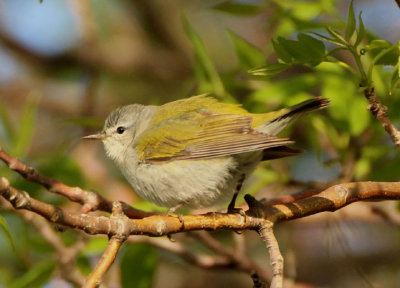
[201, 135]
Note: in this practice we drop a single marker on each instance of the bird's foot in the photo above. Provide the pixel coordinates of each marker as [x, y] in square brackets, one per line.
[171, 212]
[233, 210]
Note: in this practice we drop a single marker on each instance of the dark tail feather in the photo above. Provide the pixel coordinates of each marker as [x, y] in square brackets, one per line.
[305, 107]
[280, 152]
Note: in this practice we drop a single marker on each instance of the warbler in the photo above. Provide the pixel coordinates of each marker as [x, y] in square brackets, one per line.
[195, 152]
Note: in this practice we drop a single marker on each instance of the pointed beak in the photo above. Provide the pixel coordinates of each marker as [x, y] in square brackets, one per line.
[99, 136]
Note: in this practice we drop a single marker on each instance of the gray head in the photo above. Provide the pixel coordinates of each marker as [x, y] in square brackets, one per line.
[120, 129]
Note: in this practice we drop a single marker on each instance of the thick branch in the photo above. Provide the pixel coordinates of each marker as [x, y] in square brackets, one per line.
[380, 113]
[330, 199]
[89, 199]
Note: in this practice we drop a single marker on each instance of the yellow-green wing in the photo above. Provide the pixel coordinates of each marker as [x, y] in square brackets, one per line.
[200, 134]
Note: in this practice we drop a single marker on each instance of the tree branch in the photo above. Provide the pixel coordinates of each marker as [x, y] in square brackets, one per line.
[331, 199]
[380, 113]
[89, 199]
[276, 259]
[108, 257]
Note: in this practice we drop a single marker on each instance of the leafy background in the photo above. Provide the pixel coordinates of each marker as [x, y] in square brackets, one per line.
[64, 68]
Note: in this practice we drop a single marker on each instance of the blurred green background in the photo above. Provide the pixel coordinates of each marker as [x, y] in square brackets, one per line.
[64, 65]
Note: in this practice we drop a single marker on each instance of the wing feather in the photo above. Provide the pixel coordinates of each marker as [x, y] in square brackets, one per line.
[200, 135]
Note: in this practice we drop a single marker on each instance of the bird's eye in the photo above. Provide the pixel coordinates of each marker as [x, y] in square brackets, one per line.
[120, 130]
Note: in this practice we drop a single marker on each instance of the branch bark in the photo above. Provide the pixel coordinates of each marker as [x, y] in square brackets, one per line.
[331, 199]
[108, 257]
[89, 199]
[276, 259]
[380, 113]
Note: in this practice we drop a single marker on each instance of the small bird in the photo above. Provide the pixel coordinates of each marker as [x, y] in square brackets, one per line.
[195, 152]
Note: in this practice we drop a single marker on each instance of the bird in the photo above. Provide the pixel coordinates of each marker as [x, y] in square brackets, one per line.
[197, 151]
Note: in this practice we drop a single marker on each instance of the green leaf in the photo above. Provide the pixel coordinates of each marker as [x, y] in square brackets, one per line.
[378, 45]
[37, 276]
[240, 9]
[336, 35]
[281, 51]
[269, 70]
[27, 126]
[361, 30]
[205, 70]
[307, 50]
[138, 266]
[351, 22]
[6, 230]
[388, 56]
[332, 40]
[395, 78]
[249, 56]
[315, 48]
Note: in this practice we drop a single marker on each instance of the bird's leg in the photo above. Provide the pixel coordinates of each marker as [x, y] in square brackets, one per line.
[172, 210]
[231, 206]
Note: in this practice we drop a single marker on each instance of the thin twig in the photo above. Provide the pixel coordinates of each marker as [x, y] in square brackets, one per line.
[267, 235]
[380, 113]
[210, 242]
[89, 199]
[237, 260]
[198, 259]
[239, 245]
[108, 257]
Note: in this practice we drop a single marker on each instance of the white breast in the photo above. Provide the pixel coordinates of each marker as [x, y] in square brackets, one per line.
[194, 183]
